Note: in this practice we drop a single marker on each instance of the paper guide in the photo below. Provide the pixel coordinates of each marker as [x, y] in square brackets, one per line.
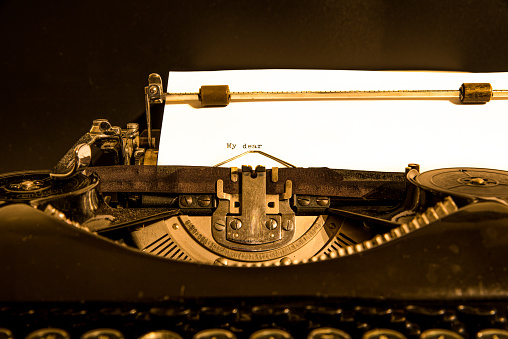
[381, 135]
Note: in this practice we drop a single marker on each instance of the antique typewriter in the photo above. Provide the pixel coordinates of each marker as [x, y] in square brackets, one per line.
[110, 245]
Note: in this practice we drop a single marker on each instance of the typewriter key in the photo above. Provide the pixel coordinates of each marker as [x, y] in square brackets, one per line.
[103, 333]
[214, 333]
[5, 334]
[492, 333]
[162, 334]
[383, 333]
[270, 333]
[438, 333]
[328, 333]
[49, 333]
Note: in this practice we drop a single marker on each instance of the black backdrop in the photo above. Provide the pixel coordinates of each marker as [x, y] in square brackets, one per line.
[65, 63]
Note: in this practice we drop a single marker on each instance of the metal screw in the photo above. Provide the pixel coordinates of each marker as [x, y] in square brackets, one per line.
[220, 262]
[153, 89]
[332, 226]
[235, 224]
[220, 225]
[271, 224]
[478, 181]
[303, 200]
[175, 226]
[186, 200]
[204, 200]
[288, 225]
[322, 201]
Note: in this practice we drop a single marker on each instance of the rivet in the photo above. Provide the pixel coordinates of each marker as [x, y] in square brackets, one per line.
[153, 89]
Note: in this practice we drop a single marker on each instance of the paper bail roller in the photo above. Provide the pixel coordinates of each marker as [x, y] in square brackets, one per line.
[475, 93]
[217, 95]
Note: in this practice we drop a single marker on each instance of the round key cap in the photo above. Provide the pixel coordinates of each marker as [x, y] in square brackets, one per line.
[383, 333]
[214, 333]
[437, 333]
[162, 334]
[5, 333]
[270, 333]
[328, 333]
[49, 333]
[103, 333]
[492, 333]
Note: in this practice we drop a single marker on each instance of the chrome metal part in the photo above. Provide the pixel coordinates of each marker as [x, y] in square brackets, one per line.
[153, 95]
[221, 96]
[253, 218]
[76, 197]
[130, 140]
[189, 238]
[106, 137]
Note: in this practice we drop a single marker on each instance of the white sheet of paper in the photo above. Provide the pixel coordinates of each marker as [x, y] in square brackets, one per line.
[381, 135]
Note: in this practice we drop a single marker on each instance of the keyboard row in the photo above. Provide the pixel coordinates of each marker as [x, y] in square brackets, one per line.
[245, 322]
[269, 333]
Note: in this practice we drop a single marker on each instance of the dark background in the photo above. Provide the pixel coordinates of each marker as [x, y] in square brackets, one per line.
[65, 63]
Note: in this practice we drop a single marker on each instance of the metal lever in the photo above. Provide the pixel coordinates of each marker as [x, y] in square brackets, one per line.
[154, 94]
[79, 156]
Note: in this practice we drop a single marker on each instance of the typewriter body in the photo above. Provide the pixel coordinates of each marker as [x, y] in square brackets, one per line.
[110, 244]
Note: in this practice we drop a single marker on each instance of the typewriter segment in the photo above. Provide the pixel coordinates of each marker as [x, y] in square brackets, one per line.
[244, 217]
[240, 217]
[110, 245]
